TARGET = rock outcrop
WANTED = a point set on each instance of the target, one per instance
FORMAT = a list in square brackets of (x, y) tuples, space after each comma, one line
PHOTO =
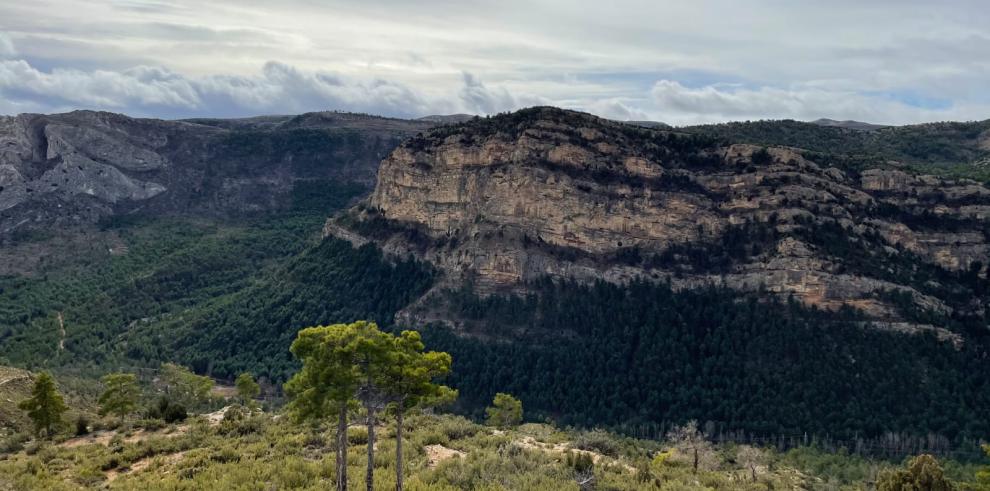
[(82, 166), (546, 192)]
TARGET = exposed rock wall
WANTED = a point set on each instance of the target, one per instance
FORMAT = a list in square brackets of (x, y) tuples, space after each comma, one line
[(569, 195)]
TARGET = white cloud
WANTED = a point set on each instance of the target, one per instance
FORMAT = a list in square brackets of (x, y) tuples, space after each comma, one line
[(6, 46), (140, 86), (686, 105), (883, 61), (277, 88), (616, 109), (480, 99)]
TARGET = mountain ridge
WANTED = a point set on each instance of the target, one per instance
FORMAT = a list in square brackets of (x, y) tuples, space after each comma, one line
[(80, 167), (549, 192)]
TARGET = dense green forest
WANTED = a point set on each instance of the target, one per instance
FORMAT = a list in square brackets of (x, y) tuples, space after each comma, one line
[(225, 299), (951, 149), (646, 355), (76, 311)]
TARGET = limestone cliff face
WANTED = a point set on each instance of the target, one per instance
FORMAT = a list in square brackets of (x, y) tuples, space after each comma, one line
[(82, 166), (550, 192)]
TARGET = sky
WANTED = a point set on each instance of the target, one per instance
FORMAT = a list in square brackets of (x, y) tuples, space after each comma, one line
[(880, 61)]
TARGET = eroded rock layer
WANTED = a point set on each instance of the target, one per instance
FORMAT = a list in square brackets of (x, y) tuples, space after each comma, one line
[(545, 192)]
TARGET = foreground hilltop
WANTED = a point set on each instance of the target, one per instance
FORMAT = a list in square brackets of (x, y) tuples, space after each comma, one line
[(545, 192)]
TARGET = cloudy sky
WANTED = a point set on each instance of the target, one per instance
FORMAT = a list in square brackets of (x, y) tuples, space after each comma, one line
[(884, 61)]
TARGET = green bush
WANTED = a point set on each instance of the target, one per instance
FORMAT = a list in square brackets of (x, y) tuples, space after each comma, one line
[(168, 411), (458, 427), (598, 441), (82, 426), (357, 435), (14, 442)]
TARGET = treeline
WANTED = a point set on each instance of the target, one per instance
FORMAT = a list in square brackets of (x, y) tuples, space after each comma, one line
[(935, 143), (608, 355)]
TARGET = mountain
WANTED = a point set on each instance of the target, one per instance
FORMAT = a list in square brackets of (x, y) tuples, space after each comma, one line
[(448, 118), (952, 149), (649, 124), (80, 167), (567, 195), (606, 274), (849, 124), (562, 240)]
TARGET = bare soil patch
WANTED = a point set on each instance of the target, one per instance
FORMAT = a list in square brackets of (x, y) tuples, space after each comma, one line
[(439, 453)]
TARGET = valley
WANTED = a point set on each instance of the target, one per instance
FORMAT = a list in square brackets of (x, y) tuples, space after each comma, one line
[(609, 275)]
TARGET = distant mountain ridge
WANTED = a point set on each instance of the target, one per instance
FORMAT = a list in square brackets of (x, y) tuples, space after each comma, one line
[(80, 167), (448, 118), (849, 124)]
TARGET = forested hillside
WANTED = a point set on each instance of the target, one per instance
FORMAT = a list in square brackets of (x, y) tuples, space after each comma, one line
[(762, 293), (948, 148)]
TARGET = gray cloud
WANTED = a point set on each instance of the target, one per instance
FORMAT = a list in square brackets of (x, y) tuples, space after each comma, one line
[(481, 99), (886, 61), (714, 103), (6, 46), (279, 88)]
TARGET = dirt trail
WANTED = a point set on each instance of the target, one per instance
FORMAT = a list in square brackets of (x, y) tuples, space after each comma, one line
[(14, 378), (61, 332)]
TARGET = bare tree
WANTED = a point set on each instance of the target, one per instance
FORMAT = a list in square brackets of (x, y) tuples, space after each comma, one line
[(751, 458), (689, 440)]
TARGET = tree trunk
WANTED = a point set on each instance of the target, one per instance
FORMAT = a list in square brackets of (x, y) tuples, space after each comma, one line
[(695, 460), (398, 448), (342, 449), (369, 478)]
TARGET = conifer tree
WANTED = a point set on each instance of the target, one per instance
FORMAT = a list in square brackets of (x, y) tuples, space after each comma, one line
[(409, 382), (121, 394), (375, 352), (247, 388), (328, 381), (45, 406), (185, 387), (505, 411)]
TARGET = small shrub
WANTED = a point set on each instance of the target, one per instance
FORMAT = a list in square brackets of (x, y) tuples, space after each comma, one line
[(225, 454), (922, 472), (581, 462), (168, 411), (357, 436), (150, 424), (82, 426), (434, 438), (111, 463), (457, 428), (116, 444), (598, 441), (14, 443), (33, 447), (241, 426)]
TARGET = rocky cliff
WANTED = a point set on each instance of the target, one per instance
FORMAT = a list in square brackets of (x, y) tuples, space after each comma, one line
[(544, 192), (82, 166)]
